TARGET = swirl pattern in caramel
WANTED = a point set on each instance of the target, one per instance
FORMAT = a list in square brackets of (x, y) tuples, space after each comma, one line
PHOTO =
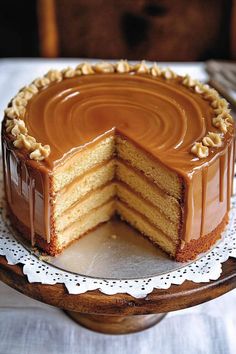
[(163, 117)]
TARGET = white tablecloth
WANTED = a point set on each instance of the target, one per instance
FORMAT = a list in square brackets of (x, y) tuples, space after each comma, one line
[(30, 327)]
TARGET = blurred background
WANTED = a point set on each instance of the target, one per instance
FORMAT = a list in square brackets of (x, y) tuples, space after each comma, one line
[(164, 30)]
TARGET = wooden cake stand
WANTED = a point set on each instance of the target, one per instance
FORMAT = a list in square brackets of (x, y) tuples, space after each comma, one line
[(121, 313)]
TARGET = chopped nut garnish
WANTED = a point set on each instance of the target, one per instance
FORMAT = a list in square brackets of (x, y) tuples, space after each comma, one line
[(41, 82), (19, 101), (31, 88), (10, 112), (68, 72), (15, 112), (26, 95), (54, 75), (210, 95), (40, 152), (19, 127), (169, 74), (198, 88), (155, 70), (188, 81), (25, 141), (104, 67), (220, 123), (212, 139), (28, 92), (229, 119), (141, 68), (220, 104), (200, 150), (86, 69), (122, 66), (222, 111), (215, 104)]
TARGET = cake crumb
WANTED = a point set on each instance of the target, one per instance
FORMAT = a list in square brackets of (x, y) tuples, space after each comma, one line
[(114, 237)]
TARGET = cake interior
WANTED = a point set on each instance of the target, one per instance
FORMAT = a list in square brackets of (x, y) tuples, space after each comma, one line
[(115, 176)]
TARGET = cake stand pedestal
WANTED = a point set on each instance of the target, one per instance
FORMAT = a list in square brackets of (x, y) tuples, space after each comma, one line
[(120, 313)]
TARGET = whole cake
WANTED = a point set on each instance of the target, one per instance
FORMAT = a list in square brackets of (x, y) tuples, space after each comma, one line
[(80, 145)]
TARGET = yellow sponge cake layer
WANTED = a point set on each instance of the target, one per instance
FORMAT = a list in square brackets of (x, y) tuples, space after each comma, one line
[(152, 213), (93, 179), (83, 225), (94, 154), (147, 229), (148, 190), (91, 200), (162, 177)]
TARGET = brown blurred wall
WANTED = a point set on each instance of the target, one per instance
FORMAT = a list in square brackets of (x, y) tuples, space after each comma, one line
[(133, 29), (151, 29)]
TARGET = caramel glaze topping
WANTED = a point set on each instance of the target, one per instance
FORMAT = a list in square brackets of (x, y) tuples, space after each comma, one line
[(162, 116)]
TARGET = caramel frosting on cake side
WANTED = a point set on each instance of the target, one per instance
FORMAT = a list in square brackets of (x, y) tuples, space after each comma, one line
[(174, 131)]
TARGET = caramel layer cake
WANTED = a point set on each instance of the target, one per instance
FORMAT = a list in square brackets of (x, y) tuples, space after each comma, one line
[(83, 144)]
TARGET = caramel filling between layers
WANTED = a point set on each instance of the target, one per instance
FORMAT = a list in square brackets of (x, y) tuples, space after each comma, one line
[(162, 119)]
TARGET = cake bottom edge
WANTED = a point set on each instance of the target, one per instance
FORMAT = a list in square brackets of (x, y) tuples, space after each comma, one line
[(203, 244), (189, 252)]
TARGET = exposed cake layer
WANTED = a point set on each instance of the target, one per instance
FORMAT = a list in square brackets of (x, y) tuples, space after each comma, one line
[(94, 178), (117, 194), (90, 190), (148, 190), (147, 209), (141, 224), (94, 165), (103, 150), (113, 190), (84, 224), (91, 200), (164, 178), (77, 165)]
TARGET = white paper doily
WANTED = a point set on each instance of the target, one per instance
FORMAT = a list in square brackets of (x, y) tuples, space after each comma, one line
[(207, 268)]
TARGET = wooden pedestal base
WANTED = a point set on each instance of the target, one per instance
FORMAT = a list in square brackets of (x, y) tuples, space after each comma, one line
[(120, 313), (116, 324)]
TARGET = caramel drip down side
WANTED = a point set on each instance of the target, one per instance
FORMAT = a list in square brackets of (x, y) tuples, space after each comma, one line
[(189, 211), (229, 176), (233, 172), (222, 173), (6, 170), (19, 174), (204, 198), (30, 183), (47, 213), (31, 189), (27, 192), (8, 174)]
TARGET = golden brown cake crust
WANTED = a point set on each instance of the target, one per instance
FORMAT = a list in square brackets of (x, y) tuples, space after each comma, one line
[(203, 244)]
